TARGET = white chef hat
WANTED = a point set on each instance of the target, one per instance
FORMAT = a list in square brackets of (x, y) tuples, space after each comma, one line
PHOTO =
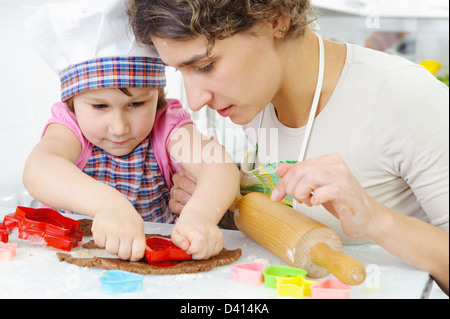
[(90, 45)]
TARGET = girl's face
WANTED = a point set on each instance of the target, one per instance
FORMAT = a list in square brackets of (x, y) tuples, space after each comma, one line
[(238, 79), (115, 122)]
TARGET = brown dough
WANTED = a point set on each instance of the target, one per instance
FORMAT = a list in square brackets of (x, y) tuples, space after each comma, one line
[(225, 257), (86, 225)]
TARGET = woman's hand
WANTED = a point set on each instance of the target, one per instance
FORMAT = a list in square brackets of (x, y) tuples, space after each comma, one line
[(183, 187), (328, 181)]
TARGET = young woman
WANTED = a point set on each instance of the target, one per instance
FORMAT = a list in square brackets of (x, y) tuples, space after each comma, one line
[(365, 134)]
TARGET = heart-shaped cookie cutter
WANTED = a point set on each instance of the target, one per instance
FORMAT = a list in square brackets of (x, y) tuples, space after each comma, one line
[(45, 226), (7, 251), (330, 289), (272, 272), (162, 252), (251, 273), (118, 281)]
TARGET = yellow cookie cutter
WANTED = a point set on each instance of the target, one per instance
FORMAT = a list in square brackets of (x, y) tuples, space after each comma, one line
[(297, 287)]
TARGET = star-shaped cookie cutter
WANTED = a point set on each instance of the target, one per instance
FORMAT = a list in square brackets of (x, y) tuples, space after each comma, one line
[(45, 226), (7, 251), (297, 287)]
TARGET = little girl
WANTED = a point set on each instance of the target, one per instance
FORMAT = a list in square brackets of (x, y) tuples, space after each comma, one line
[(107, 150)]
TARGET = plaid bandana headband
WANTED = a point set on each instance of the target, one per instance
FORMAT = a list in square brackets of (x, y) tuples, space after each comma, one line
[(112, 72)]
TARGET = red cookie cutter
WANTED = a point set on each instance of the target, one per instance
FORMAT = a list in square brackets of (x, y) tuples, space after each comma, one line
[(4, 234), (45, 226), (162, 252)]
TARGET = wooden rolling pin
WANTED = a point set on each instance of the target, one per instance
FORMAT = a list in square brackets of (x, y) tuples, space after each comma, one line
[(296, 239)]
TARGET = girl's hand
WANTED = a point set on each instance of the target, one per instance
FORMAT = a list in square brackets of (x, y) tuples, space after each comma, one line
[(120, 231), (328, 181), (184, 185), (197, 236)]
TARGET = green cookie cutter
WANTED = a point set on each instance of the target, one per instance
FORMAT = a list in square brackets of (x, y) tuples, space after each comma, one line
[(272, 272)]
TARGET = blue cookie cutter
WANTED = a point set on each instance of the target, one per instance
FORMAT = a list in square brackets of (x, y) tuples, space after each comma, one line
[(118, 281)]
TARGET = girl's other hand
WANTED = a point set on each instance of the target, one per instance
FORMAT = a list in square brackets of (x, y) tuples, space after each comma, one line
[(197, 236)]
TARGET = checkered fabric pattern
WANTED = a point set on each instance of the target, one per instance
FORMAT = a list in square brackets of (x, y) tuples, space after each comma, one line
[(261, 179), (112, 72), (137, 176)]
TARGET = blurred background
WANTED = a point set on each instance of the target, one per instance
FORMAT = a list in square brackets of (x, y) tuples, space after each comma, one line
[(415, 29)]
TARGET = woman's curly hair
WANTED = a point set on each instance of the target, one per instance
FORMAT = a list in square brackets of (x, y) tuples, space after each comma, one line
[(212, 19)]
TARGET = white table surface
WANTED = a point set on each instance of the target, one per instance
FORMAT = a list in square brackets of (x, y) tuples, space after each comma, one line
[(37, 273)]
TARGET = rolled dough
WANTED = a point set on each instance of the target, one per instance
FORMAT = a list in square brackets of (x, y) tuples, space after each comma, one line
[(225, 257)]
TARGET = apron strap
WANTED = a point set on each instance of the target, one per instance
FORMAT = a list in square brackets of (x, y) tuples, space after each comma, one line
[(312, 114)]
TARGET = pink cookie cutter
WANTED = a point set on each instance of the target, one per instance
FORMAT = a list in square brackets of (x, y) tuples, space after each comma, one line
[(7, 251), (251, 273), (330, 289)]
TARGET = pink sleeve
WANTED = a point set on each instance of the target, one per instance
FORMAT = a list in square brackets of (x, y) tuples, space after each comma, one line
[(169, 119), (60, 114)]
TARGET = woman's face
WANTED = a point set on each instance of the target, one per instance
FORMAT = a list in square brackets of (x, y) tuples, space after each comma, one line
[(238, 79)]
